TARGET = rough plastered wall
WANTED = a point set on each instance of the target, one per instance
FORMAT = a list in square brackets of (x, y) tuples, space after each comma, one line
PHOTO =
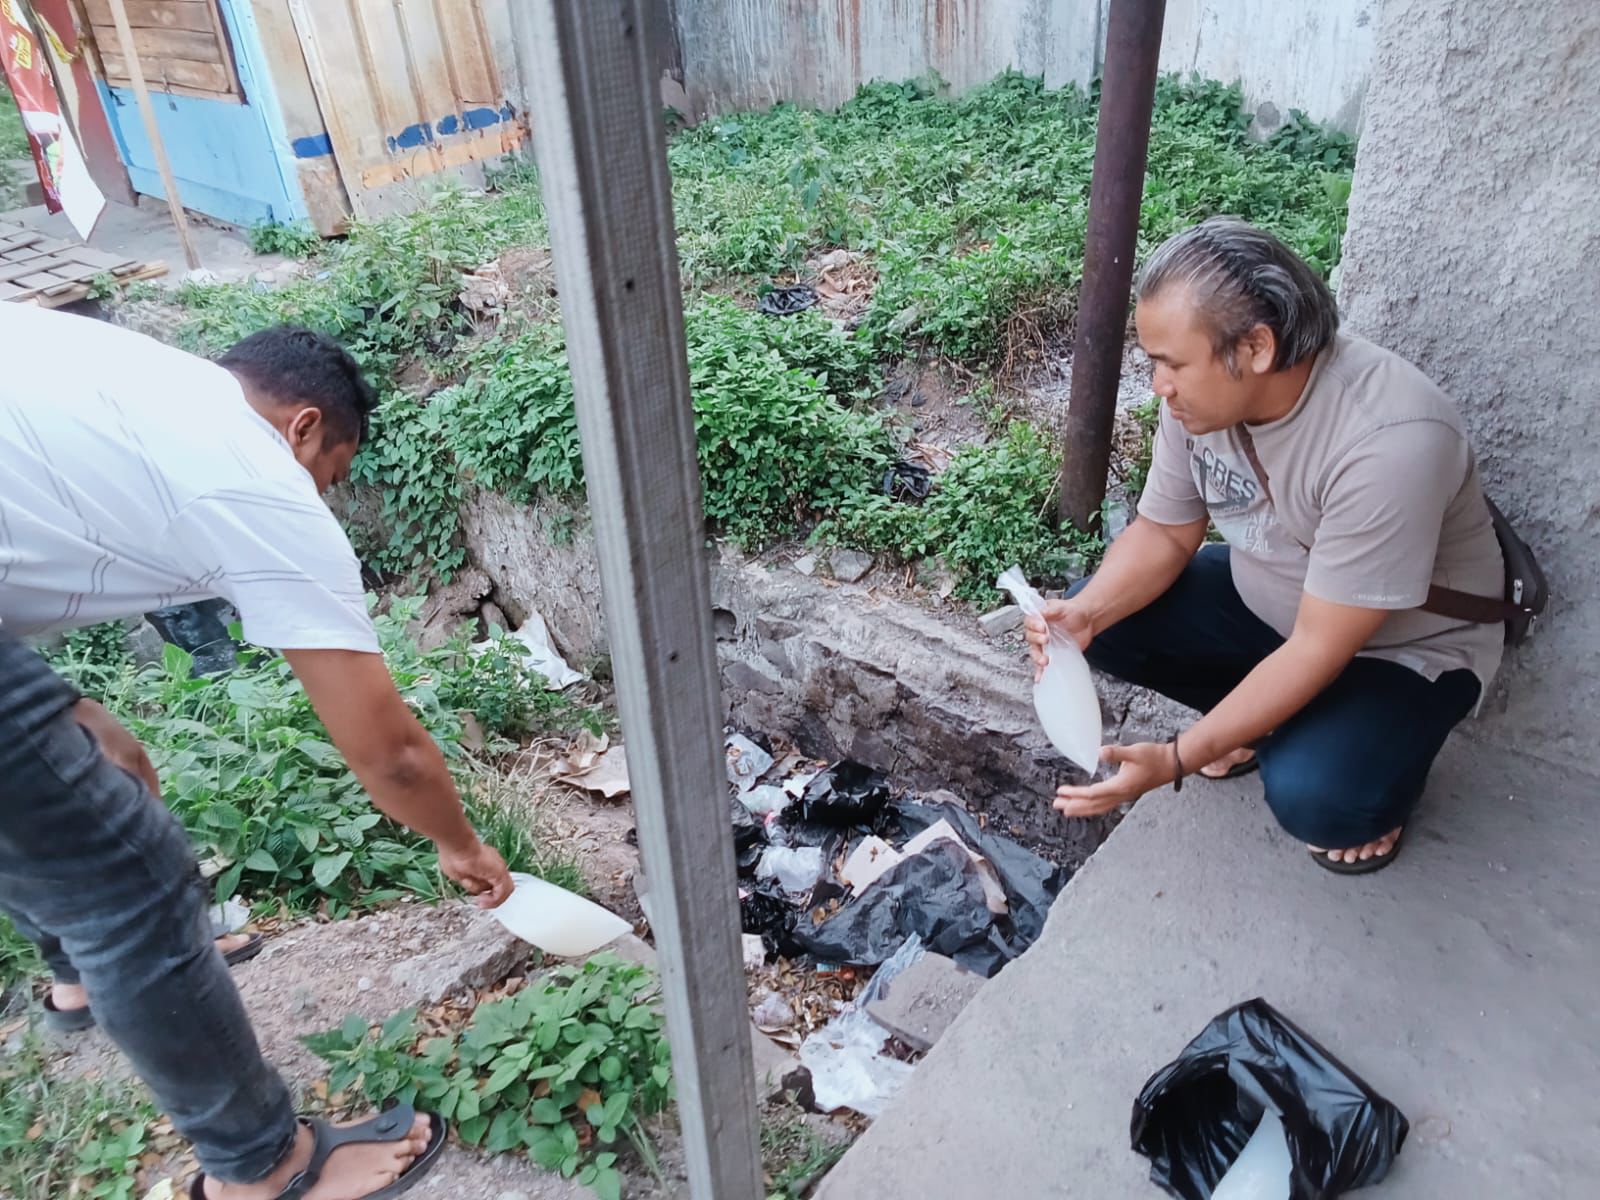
[(1474, 249), (737, 54)]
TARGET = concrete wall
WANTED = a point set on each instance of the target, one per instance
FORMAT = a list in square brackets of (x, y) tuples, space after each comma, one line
[(1473, 243), (1307, 54)]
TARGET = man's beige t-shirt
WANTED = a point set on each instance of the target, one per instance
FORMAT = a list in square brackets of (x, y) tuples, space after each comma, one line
[(1374, 495)]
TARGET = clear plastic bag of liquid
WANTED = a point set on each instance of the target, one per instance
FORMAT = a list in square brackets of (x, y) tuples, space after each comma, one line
[(1064, 697)]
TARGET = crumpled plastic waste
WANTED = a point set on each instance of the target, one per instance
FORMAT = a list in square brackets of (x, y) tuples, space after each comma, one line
[(847, 793), (1195, 1116), (848, 1068), (786, 301), (796, 870)]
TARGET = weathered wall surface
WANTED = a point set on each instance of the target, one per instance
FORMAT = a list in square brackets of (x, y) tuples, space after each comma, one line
[(735, 54), (1473, 243)]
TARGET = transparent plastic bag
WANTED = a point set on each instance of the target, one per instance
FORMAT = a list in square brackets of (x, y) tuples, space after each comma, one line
[(1064, 697)]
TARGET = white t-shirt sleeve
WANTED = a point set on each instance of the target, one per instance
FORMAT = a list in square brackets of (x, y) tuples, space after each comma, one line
[(277, 553)]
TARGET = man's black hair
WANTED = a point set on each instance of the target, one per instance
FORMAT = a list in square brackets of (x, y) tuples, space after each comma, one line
[(293, 365)]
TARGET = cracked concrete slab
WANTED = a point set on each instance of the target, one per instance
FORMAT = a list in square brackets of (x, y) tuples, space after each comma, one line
[(1460, 983)]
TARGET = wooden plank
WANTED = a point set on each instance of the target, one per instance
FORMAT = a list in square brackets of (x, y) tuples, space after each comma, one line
[(152, 130), (38, 281), (170, 74), (193, 15), (603, 166), (155, 44)]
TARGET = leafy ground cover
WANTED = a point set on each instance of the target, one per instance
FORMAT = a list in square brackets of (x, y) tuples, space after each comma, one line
[(969, 212)]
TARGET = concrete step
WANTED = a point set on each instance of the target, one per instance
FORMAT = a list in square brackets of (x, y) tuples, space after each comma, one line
[(1460, 983)]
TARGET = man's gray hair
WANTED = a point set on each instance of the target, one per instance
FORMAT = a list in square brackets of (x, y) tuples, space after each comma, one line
[(1239, 277)]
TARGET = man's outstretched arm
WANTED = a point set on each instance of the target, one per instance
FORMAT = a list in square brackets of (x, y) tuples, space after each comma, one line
[(397, 762)]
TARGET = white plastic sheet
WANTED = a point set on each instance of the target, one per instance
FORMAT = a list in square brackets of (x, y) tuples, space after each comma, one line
[(556, 920), (1261, 1172), (848, 1068)]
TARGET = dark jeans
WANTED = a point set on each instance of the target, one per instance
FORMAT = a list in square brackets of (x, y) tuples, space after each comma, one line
[(90, 859), (1341, 772)]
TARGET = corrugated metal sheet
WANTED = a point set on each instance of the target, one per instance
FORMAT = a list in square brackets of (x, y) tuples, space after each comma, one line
[(752, 53), (410, 90)]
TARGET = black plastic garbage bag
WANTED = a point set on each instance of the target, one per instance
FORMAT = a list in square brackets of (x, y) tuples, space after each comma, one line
[(786, 301), (908, 482), (201, 628), (846, 793), (749, 840), (1195, 1115), (935, 894), (764, 909), (1031, 883)]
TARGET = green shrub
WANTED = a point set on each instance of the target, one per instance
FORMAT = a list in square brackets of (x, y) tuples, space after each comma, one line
[(558, 1072)]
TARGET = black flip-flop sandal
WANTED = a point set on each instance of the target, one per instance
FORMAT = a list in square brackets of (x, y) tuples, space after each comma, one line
[(79, 1019), (1362, 866), (244, 953), (391, 1126), (1248, 766)]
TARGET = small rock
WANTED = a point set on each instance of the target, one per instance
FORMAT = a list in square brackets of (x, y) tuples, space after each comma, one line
[(303, 1000), (145, 644), (630, 947), (1001, 621), (924, 999), (851, 566), (494, 615), (806, 564), (1118, 517), (363, 984), (201, 276), (834, 260)]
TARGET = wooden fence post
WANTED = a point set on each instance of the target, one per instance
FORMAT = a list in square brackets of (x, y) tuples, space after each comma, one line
[(600, 140)]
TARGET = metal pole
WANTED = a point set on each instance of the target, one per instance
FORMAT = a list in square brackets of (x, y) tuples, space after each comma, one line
[(1127, 96), (141, 93), (601, 149)]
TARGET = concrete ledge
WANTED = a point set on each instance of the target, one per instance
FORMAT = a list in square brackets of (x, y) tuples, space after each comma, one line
[(1460, 983)]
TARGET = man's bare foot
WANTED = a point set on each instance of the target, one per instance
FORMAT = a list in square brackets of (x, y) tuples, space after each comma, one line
[(351, 1173), (1216, 770), (70, 997), (1375, 849)]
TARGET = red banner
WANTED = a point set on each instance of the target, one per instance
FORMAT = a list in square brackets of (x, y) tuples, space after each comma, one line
[(28, 73)]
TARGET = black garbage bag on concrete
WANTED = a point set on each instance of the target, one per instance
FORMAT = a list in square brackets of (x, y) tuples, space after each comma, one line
[(1195, 1115)]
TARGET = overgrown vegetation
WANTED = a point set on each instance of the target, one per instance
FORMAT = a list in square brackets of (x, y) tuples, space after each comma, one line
[(13, 149), (67, 1137), (794, 1155), (563, 1071), (971, 212), (249, 771)]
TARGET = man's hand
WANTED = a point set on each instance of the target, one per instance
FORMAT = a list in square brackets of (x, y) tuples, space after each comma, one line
[(116, 743), (480, 871), (1060, 616), (1145, 765)]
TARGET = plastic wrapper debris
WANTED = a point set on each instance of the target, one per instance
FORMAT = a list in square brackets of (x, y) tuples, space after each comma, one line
[(845, 1057), (1261, 1172), (747, 762), (230, 916), (1195, 1116), (765, 800), (538, 654), (795, 870)]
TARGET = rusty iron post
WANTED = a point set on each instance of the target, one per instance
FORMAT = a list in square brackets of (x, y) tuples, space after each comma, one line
[(1127, 97)]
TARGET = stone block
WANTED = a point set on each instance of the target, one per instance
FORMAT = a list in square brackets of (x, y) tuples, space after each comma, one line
[(924, 999), (850, 566), (484, 955), (1001, 621)]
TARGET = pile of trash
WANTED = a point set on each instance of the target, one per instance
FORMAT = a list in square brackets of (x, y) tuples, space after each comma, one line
[(839, 874), (834, 866)]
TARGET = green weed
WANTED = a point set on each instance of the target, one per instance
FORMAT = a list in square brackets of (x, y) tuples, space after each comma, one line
[(560, 1072), (67, 1137), (794, 1155), (296, 239)]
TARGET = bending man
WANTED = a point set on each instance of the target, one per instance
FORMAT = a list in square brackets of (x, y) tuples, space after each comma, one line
[(134, 476)]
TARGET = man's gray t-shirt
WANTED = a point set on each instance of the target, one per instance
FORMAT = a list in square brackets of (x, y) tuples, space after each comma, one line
[(1371, 495)]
